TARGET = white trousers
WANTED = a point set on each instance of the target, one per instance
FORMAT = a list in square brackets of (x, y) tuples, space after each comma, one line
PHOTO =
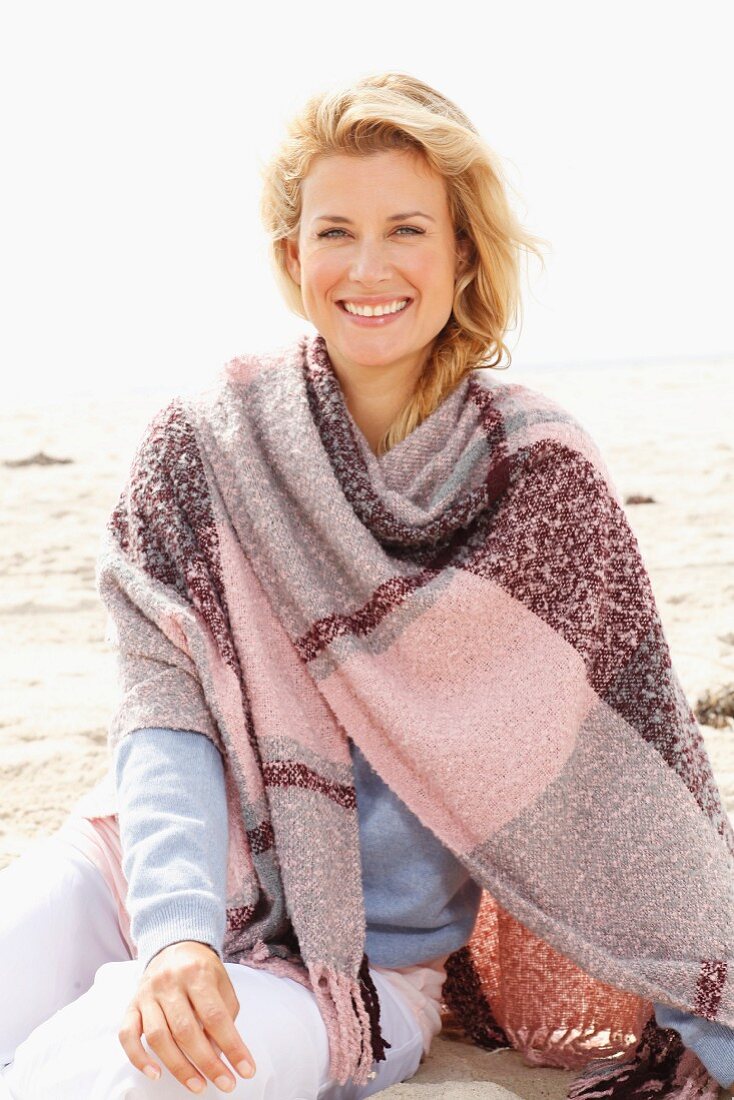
[(66, 978)]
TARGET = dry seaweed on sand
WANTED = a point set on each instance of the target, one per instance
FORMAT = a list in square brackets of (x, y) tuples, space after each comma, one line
[(716, 708), (40, 458)]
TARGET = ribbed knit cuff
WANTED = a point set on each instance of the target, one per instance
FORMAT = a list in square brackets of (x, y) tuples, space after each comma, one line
[(178, 919)]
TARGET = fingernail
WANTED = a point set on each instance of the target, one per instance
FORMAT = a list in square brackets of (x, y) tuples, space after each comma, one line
[(245, 1069), (194, 1084), (226, 1084), (152, 1071)]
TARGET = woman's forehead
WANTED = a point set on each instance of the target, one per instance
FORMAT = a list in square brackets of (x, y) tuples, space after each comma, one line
[(381, 179)]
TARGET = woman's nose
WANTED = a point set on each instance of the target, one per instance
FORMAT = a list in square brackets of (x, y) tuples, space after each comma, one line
[(369, 262)]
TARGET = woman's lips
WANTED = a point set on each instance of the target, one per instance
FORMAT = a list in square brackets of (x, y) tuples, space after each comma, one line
[(375, 322)]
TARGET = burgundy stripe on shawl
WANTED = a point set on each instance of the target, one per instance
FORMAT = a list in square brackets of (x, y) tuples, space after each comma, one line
[(287, 773), (164, 522), (710, 984)]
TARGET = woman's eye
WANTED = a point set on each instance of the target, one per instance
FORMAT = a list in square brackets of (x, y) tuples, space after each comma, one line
[(411, 229)]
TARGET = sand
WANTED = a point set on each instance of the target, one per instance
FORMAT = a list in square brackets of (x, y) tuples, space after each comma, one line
[(665, 431)]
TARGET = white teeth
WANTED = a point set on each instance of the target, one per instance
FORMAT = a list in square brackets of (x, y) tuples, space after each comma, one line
[(377, 311)]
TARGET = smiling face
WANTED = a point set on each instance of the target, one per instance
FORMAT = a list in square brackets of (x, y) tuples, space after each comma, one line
[(375, 229)]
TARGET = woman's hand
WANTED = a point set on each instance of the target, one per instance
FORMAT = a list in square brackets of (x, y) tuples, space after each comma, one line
[(185, 1005)]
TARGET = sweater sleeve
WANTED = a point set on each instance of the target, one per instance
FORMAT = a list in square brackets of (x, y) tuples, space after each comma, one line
[(711, 1042), (173, 834)]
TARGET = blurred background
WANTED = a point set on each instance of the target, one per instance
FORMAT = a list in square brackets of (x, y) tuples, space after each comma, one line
[(133, 135), (133, 265)]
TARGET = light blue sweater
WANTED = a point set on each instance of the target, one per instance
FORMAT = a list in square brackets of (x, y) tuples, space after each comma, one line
[(420, 902)]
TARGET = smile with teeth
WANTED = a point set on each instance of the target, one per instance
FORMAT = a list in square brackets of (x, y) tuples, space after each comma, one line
[(376, 311)]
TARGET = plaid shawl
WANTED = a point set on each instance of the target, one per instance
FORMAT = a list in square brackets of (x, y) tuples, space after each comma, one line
[(472, 609)]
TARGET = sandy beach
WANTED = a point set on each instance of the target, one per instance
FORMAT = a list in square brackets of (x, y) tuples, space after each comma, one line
[(665, 431)]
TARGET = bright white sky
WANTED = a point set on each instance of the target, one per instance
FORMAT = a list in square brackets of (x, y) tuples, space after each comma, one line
[(132, 136)]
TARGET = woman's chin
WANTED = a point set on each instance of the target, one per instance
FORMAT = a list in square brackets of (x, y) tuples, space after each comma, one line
[(376, 353)]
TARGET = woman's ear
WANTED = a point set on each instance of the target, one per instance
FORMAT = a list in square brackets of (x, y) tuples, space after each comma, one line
[(463, 254), (292, 260)]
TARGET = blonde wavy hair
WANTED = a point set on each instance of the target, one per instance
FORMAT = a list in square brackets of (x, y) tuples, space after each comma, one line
[(396, 111)]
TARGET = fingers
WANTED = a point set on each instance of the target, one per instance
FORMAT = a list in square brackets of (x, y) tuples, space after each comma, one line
[(179, 1043), (211, 1007), (189, 1034), (130, 1039), (176, 1037)]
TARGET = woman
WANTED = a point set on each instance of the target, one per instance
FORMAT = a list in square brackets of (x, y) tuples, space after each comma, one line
[(382, 631)]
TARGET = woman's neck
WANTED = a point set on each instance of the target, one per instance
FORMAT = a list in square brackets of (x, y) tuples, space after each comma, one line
[(375, 398)]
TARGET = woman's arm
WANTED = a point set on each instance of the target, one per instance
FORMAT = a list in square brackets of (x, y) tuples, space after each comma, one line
[(173, 832), (711, 1042)]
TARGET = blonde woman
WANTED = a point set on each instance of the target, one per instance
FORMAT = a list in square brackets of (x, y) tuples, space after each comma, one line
[(368, 600)]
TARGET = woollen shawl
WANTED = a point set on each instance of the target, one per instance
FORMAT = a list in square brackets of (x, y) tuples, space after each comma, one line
[(473, 611)]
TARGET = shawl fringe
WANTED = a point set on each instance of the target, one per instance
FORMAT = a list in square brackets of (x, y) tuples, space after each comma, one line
[(468, 1010), (615, 1044), (660, 1066), (351, 1010), (371, 1000)]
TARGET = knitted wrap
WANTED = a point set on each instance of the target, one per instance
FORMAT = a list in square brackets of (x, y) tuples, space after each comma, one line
[(472, 609)]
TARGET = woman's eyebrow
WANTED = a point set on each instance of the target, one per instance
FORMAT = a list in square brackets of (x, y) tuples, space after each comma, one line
[(392, 218)]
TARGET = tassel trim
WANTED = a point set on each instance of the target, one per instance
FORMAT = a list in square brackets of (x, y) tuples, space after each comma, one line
[(468, 1009), (660, 1068), (350, 1009), (371, 1002)]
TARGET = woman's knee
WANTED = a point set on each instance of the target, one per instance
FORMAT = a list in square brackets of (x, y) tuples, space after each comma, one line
[(278, 1020), (57, 926), (280, 1023), (77, 1052), (80, 1045)]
